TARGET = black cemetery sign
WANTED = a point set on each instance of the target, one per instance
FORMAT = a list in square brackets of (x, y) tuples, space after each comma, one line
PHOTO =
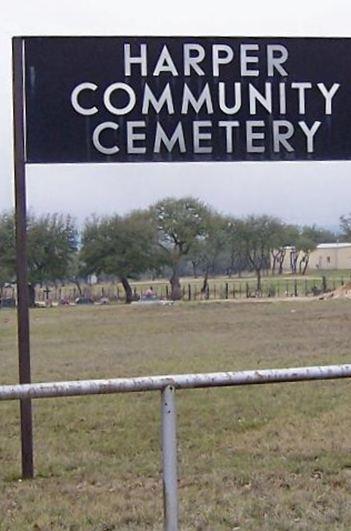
[(165, 99)]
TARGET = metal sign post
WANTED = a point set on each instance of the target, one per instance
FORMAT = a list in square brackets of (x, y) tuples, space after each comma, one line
[(21, 256)]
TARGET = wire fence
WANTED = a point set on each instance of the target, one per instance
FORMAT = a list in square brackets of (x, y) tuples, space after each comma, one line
[(216, 289)]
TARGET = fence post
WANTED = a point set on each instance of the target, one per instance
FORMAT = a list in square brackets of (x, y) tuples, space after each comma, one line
[(189, 292), (169, 458), (226, 290)]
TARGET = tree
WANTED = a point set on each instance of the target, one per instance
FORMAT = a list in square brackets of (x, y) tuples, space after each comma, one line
[(180, 223), (345, 226), (7, 248), (261, 234), (76, 271), (207, 250), (235, 245), (288, 238), (308, 237), (307, 241), (120, 246), (52, 242), (318, 234)]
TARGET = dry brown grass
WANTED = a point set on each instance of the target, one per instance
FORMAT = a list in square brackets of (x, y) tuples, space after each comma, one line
[(265, 457)]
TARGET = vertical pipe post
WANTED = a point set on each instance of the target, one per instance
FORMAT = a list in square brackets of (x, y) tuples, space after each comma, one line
[(21, 254), (169, 458)]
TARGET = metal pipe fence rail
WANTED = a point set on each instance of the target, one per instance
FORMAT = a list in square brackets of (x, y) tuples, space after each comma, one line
[(167, 385)]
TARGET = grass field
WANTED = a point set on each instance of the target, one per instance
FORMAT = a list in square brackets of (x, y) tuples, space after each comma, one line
[(275, 457)]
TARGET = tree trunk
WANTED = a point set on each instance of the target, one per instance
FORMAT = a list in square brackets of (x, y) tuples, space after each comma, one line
[(281, 263), (194, 264), (77, 283), (232, 264), (31, 290), (127, 289), (176, 290), (205, 288), (274, 262), (307, 259), (293, 261), (302, 263), (259, 283)]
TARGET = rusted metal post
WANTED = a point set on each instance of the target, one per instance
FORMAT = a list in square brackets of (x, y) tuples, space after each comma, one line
[(21, 254), (169, 458)]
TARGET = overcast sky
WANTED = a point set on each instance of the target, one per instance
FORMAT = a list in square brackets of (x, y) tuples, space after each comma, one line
[(297, 192)]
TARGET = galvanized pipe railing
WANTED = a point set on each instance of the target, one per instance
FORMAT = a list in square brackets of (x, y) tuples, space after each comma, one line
[(167, 385), (180, 381)]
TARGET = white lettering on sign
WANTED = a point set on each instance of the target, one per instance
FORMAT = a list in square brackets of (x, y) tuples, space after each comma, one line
[(191, 61), (113, 89), (133, 136), (177, 137), (222, 98), (277, 55), (256, 133), (75, 102), (190, 100), (301, 88), (246, 61), (130, 60), (165, 63), (253, 134), (282, 132), (229, 130), (264, 99), (243, 100), (328, 95), (199, 136), (164, 100), (113, 149), (222, 54), (310, 132)]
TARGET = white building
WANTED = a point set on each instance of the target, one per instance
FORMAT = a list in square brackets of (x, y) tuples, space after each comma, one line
[(331, 256)]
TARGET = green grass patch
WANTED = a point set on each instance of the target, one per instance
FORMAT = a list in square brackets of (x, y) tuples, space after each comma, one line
[(258, 457)]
